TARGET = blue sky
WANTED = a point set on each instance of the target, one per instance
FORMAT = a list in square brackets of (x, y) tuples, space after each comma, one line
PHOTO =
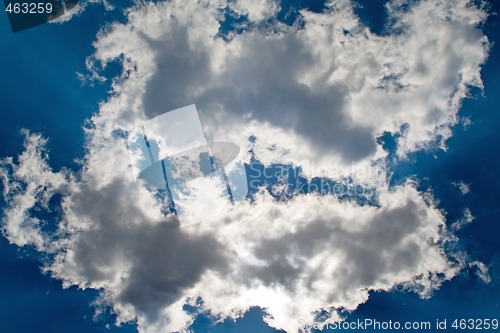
[(41, 92), (36, 62)]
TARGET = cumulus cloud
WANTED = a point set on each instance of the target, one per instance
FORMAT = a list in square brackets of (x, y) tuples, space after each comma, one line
[(348, 85), (318, 95), (323, 252), (256, 10), (29, 184)]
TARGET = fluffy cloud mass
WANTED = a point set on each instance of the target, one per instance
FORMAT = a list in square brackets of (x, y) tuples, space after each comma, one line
[(316, 94)]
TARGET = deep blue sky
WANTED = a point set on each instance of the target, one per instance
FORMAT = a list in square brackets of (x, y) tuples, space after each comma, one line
[(40, 91), (35, 63)]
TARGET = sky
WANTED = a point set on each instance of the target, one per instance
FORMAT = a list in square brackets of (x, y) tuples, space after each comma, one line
[(390, 105)]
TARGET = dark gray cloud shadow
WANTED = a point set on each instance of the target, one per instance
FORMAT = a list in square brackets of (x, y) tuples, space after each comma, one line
[(382, 248), (263, 82), (164, 259)]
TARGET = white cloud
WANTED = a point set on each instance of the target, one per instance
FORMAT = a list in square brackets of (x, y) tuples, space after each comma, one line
[(257, 10), (320, 94), (317, 97), (482, 271), (464, 187), (315, 252), (28, 183), (466, 219), (323, 252)]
